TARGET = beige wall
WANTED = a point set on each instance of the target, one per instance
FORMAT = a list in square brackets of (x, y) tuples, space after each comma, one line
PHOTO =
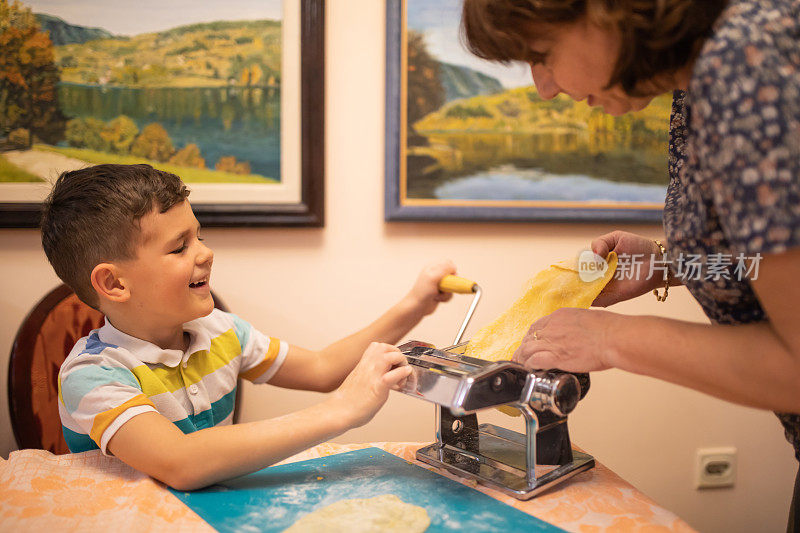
[(312, 286)]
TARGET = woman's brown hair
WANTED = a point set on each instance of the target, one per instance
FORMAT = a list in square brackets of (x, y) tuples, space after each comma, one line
[(659, 36)]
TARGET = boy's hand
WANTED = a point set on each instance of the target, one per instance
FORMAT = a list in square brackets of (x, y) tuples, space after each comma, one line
[(365, 390), (425, 294)]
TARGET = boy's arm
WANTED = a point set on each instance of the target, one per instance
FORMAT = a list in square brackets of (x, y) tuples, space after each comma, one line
[(152, 444), (324, 370)]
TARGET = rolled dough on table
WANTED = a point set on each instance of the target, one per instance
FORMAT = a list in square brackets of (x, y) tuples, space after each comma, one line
[(381, 513)]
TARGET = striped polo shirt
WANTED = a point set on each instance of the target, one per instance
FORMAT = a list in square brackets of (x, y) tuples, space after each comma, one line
[(109, 377)]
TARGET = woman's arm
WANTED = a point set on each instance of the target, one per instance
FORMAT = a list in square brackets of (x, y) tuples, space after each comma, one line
[(757, 365)]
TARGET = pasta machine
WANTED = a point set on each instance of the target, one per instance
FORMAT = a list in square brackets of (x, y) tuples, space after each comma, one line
[(519, 465)]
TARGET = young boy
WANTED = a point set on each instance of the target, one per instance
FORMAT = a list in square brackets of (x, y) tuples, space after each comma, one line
[(155, 385)]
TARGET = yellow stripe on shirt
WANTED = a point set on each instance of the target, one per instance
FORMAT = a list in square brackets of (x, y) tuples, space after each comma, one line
[(223, 350), (263, 366), (157, 380), (104, 419), (160, 379)]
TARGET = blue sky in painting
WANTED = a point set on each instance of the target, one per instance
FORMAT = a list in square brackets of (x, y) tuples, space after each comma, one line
[(439, 21), (132, 17)]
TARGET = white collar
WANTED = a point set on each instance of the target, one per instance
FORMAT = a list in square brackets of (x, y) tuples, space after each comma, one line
[(147, 352)]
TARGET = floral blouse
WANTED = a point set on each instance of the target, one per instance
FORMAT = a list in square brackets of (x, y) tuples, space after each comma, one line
[(734, 162)]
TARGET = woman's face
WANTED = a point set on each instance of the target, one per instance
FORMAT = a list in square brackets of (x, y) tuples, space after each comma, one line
[(577, 60)]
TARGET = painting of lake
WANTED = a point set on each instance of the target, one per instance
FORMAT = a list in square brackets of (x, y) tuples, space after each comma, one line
[(243, 122), (479, 131), (192, 88)]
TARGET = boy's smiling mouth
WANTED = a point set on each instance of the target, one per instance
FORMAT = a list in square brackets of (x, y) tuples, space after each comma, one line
[(199, 283)]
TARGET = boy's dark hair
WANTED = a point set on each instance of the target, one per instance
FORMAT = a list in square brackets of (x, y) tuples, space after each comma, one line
[(92, 216), (658, 36)]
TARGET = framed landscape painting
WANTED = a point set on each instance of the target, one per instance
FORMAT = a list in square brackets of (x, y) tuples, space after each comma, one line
[(227, 95), (468, 139)]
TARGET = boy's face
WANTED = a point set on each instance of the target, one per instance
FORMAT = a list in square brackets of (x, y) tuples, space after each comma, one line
[(169, 278)]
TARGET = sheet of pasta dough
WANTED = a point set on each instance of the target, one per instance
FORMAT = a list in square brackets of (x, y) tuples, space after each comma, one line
[(382, 513), (556, 287)]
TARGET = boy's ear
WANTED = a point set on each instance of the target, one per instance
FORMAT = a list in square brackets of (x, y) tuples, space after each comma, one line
[(107, 283)]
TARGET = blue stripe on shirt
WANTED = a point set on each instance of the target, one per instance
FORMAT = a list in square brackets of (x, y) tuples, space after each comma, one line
[(77, 384), (220, 410), (94, 345), (242, 330), (78, 442)]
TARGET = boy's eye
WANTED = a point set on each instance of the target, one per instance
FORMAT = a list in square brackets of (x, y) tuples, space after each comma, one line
[(178, 250)]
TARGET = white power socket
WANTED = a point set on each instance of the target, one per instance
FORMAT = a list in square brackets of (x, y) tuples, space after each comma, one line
[(715, 467)]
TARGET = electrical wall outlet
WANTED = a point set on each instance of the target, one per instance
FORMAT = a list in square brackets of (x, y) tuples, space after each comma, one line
[(715, 467)]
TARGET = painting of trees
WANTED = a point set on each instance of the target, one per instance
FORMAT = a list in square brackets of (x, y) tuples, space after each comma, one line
[(28, 77), (85, 133), (119, 135), (188, 156), (153, 143), (425, 90)]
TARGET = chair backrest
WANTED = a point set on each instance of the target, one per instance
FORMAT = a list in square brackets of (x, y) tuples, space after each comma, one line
[(43, 341)]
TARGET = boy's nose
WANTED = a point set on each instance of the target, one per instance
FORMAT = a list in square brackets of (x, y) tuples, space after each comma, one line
[(206, 255), (545, 84)]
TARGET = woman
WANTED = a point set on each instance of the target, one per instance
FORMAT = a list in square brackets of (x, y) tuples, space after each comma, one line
[(734, 192)]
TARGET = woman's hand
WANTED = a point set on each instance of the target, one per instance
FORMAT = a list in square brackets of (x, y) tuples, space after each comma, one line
[(631, 286), (569, 339)]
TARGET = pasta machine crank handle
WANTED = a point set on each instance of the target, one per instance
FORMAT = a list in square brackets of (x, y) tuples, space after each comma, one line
[(461, 285)]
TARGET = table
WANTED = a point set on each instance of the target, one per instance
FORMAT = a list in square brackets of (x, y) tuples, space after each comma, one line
[(89, 491)]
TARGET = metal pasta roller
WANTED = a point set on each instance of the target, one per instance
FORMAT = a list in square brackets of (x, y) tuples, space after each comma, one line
[(516, 464)]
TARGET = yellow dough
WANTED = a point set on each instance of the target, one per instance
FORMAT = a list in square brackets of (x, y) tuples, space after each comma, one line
[(382, 513), (558, 286)]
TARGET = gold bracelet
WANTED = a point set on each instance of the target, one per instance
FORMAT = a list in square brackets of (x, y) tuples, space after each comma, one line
[(659, 297)]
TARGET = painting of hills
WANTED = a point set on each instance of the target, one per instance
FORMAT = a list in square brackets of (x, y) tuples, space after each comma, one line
[(195, 91), (477, 130)]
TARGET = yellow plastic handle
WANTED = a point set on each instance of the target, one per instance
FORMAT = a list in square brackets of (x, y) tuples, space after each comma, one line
[(456, 284)]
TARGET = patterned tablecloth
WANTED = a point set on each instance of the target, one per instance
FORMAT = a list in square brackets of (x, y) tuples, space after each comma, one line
[(41, 492)]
